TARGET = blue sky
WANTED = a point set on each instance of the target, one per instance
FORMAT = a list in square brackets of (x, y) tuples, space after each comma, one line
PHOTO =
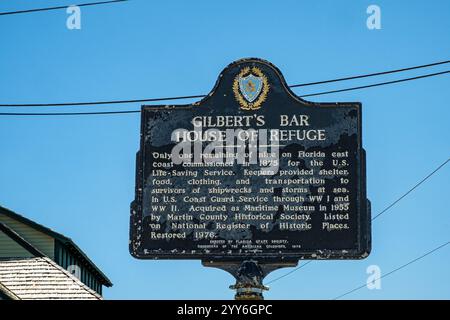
[(76, 174)]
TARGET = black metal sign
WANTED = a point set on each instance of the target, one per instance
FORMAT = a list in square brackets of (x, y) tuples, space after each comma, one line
[(251, 171)]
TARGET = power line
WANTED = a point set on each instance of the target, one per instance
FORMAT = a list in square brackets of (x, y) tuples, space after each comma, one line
[(65, 104), (383, 211), (288, 273), (123, 101), (412, 189), (59, 7), (377, 84), (370, 74), (395, 270), (67, 113), (173, 98)]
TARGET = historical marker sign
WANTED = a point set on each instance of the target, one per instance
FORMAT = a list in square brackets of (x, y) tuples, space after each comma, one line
[(251, 171)]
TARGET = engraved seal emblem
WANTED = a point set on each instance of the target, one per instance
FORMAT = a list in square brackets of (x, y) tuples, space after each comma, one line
[(250, 88)]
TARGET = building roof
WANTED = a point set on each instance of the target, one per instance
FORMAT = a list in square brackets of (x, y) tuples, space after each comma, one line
[(63, 239), (6, 293), (41, 278)]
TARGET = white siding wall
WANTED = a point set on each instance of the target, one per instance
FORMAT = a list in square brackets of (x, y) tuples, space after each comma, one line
[(11, 249), (39, 240)]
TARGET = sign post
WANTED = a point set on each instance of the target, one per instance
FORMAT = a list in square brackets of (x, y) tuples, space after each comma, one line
[(250, 179)]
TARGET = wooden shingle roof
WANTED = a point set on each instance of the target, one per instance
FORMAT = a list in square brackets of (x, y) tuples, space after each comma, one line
[(40, 278)]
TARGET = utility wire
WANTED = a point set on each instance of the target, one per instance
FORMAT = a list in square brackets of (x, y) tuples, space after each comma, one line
[(288, 273), (173, 98), (291, 86), (412, 189), (65, 104), (370, 74), (377, 84), (379, 214), (59, 7), (395, 270), (67, 113)]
